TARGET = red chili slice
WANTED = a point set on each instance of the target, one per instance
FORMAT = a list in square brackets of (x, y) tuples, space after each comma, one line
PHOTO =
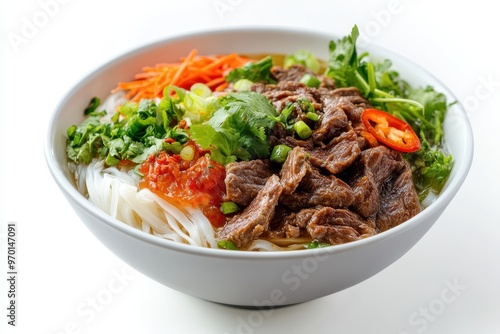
[(390, 130)]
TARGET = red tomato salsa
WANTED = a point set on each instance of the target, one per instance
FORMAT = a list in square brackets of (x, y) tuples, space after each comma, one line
[(196, 183)]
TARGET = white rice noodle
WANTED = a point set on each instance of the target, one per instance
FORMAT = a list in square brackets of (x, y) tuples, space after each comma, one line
[(204, 226), (116, 193), (176, 220), (265, 245), (431, 197), (146, 209)]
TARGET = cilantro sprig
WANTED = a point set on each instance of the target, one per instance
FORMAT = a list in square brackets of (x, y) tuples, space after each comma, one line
[(259, 71), (135, 131), (421, 107), (238, 129)]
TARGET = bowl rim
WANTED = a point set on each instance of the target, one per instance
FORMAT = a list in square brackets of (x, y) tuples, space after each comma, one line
[(70, 191)]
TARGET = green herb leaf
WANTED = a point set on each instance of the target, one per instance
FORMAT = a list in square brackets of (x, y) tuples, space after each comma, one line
[(223, 143), (423, 108), (237, 130), (255, 72), (136, 131), (343, 60), (431, 167)]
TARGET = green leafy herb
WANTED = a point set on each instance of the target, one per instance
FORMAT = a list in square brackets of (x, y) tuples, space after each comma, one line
[(431, 168), (421, 107), (85, 141), (223, 143), (237, 130), (343, 60), (255, 72), (141, 131)]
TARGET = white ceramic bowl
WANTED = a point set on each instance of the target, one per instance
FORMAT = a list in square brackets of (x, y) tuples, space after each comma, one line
[(248, 278)]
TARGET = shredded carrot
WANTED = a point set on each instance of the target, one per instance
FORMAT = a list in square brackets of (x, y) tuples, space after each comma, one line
[(215, 82), (221, 87), (191, 69), (183, 66)]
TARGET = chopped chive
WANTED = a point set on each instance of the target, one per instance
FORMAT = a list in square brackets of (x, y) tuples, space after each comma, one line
[(312, 116), (111, 160), (316, 244), (310, 81), (187, 153), (229, 208), (280, 153), (302, 129), (94, 103), (242, 85), (227, 244)]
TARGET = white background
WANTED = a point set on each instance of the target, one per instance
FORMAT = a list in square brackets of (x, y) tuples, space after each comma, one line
[(70, 283)]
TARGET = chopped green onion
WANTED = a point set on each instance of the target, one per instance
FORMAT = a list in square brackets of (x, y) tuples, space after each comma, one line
[(229, 207), (172, 91), (111, 160), (71, 131), (201, 90), (312, 116), (187, 153), (303, 57), (242, 85), (316, 244), (302, 129), (94, 103), (194, 102), (372, 82), (279, 153), (227, 244), (399, 100), (116, 117), (310, 80)]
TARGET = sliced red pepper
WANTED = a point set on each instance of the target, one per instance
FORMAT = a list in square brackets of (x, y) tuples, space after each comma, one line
[(390, 130)]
